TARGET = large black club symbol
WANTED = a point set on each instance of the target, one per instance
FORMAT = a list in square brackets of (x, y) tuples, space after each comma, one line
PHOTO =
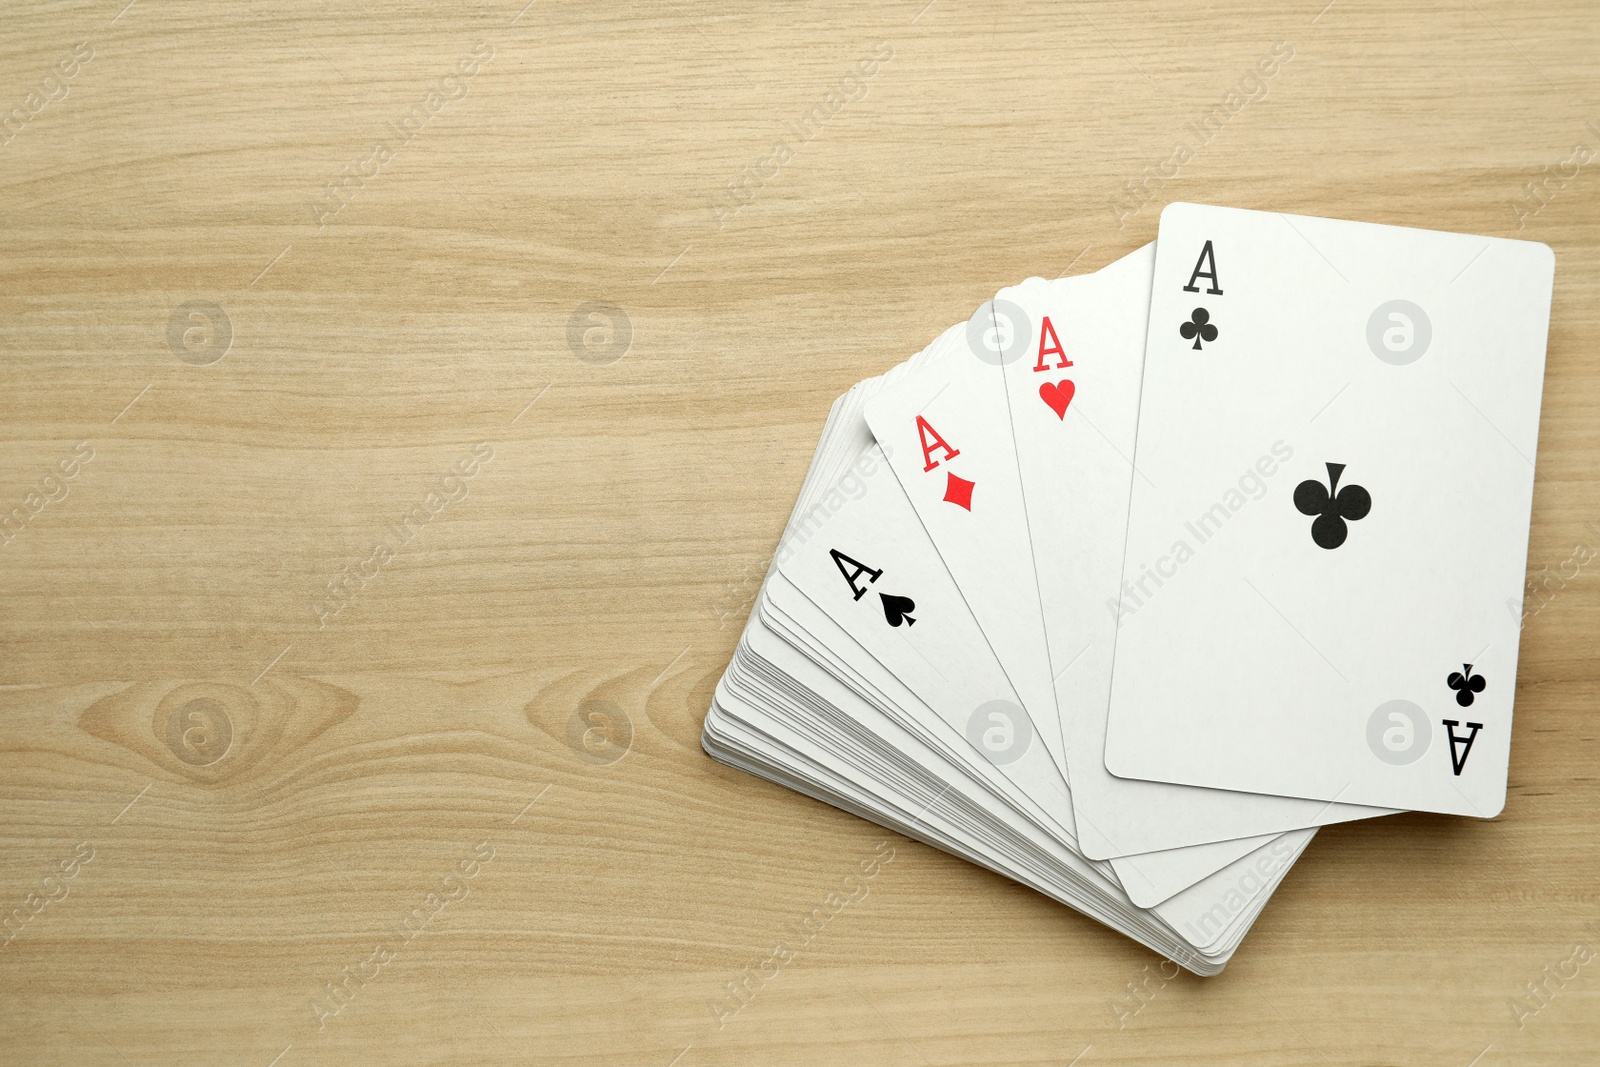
[(1332, 506)]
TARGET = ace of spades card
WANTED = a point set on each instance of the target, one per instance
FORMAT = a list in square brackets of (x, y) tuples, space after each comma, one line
[(873, 570), (1326, 552)]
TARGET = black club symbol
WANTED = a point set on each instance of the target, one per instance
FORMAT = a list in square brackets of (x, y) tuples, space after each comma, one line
[(1466, 684), (1332, 506), (1198, 328)]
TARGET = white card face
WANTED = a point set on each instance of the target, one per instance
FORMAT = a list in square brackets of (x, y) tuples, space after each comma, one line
[(873, 570), (1075, 460), (947, 433), (807, 705), (1328, 542)]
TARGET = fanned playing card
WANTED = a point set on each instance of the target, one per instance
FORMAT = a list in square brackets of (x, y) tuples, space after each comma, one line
[(1072, 370), (915, 766), (1326, 551), (947, 430), (1124, 586)]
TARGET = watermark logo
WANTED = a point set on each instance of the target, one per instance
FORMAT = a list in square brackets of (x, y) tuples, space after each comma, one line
[(1198, 131), (199, 332), (754, 178), (600, 732), (738, 597), (1553, 179), (52, 88), (341, 590), (51, 889), (798, 936), (199, 732), (998, 332), (1398, 732), (1138, 590), (599, 333), (1152, 980), (52, 488), (1398, 332), (339, 191), (1551, 981), (852, 486), (1000, 730), (1257, 876), (340, 991), (1543, 587)]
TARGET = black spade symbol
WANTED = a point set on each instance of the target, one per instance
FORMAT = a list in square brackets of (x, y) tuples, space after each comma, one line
[(898, 608)]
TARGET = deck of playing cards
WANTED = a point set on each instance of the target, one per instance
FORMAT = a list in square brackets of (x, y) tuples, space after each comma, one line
[(1129, 583)]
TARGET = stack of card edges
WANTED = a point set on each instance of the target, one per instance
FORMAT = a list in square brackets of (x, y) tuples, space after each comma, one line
[(1129, 583)]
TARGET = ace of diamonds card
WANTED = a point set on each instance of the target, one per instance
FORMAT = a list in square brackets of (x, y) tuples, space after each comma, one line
[(1326, 552)]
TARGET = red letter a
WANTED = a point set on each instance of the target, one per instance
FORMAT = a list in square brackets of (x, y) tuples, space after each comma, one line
[(1048, 331), (931, 440)]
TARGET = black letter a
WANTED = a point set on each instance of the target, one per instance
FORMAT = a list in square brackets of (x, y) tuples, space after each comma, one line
[(840, 559), (1458, 758), (1207, 259)]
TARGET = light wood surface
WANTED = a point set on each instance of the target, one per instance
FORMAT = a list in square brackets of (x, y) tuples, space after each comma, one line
[(252, 790)]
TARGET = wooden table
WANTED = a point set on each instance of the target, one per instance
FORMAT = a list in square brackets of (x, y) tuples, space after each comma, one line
[(400, 406)]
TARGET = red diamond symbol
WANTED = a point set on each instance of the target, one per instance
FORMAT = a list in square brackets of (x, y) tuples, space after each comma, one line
[(958, 490)]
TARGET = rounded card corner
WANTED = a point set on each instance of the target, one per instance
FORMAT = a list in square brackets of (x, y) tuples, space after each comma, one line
[(1499, 806), (1547, 255), (1184, 204), (1111, 758)]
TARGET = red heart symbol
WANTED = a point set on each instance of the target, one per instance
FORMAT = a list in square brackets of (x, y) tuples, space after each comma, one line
[(1058, 395)]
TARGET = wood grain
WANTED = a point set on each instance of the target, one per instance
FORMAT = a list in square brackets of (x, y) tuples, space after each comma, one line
[(285, 674)]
